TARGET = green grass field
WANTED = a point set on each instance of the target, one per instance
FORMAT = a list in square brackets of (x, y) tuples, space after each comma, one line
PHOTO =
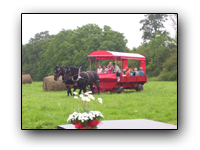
[(47, 110)]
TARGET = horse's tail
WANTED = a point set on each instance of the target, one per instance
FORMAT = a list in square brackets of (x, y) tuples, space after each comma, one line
[(99, 87), (97, 80)]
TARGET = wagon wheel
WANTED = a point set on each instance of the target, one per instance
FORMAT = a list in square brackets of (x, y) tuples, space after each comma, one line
[(120, 89), (139, 87)]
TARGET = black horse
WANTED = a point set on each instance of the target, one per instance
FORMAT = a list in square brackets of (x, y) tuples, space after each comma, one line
[(82, 79), (59, 71)]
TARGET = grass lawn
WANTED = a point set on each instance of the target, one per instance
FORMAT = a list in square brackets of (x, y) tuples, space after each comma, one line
[(47, 110)]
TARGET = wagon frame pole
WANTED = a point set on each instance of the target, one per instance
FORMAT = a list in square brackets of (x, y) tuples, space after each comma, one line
[(90, 63), (96, 63)]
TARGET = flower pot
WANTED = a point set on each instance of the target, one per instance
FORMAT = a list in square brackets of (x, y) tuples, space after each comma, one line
[(91, 125)]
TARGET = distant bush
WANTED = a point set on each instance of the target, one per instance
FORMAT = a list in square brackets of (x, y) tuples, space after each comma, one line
[(168, 76), (152, 78)]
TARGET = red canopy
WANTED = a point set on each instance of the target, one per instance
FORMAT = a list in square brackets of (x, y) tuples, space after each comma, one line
[(111, 55)]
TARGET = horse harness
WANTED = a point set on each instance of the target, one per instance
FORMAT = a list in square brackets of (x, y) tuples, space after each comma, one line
[(58, 73), (79, 77), (88, 80)]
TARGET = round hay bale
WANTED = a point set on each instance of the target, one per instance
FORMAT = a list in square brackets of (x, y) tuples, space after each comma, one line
[(49, 84), (26, 79)]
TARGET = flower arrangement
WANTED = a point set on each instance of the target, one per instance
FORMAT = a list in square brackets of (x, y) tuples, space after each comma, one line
[(86, 119)]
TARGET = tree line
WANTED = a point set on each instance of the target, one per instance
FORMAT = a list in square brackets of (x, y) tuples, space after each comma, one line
[(72, 47)]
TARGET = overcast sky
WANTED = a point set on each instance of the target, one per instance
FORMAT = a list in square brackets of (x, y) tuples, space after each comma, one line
[(54, 23)]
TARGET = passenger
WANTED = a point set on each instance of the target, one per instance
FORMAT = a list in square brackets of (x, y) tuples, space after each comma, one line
[(99, 70), (127, 73), (141, 73), (111, 66), (136, 72), (131, 72), (108, 69), (116, 70), (124, 70), (105, 69)]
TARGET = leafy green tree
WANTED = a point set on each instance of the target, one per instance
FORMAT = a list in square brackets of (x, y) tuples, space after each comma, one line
[(152, 24), (113, 41), (30, 54), (169, 71), (68, 48), (173, 18), (159, 52)]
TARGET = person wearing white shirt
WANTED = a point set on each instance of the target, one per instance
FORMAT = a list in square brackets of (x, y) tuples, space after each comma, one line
[(99, 70)]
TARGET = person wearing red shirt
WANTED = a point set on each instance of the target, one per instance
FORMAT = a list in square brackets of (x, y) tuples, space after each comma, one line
[(127, 73)]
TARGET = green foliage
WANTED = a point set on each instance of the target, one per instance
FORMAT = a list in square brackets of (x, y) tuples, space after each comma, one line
[(160, 52), (158, 47), (171, 62), (152, 24), (71, 48), (68, 48), (168, 76), (169, 72)]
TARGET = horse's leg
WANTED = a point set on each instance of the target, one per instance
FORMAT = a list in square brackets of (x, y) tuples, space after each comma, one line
[(91, 87), (80, 91), (75, 87), (70, 91), (67, 90), (97, 85), (84, 88)]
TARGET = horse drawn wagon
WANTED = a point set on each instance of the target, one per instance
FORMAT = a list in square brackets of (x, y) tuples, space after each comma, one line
[(108, 82), (105, 81)]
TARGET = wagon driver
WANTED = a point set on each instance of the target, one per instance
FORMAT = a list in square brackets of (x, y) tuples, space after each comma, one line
[(116, 70)]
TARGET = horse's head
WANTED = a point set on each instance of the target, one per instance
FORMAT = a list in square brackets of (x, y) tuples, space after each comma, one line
[(70, 72), (57, 72)]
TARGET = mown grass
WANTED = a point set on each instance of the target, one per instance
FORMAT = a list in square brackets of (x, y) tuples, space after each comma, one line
[(47, 110)]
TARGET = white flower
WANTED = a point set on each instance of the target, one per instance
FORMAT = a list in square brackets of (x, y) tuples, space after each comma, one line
[(100, 100), (76, 97), (86, 118), (75, 93), (91, 97), (87, 99), (75, 113), (70, 117), (83, 98), (91, 115), (89, 92), (81, 95), (86, 93), (80, 117), (84, 114)]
